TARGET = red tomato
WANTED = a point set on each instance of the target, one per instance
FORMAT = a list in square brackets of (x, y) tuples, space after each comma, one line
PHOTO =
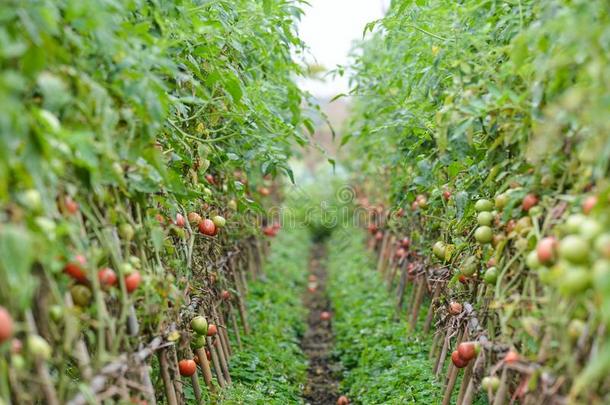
[(210, 179), (446, 195), (372, 228), (414, 205), (529, 201), (207, 227), (546, 250), (379, 235), (225, 295), (342, 400), (405, 243), (455, 308), (194, 218), (132, 281), (463, 279), (401, 252), (6, 325), (180, 221), (264, 191), (467, 350), (71, 205), (212, 330), (75, 269), (457, 360), (325, 316), (511, 357), (107, 277), (589, 204), (187, 367)]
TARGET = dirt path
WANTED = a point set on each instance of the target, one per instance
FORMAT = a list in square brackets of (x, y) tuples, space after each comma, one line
[(322, 384)]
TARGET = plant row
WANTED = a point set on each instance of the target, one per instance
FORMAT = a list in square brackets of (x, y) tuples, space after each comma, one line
[(138, 146), (483, 169)]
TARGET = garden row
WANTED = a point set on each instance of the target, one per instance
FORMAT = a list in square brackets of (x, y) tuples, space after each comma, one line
[(138, 143), (482, 152)]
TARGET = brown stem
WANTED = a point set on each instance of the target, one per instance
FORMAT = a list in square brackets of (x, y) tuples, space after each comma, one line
[(430, 315), (450, 384)]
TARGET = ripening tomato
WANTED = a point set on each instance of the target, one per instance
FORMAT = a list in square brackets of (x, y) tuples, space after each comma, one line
[(455, 308), (439, 249), (107, 277), (225, 295), (210, 179), (132, 281), (6, 325), (212, 330), (194, 218), (529, 201), (187, 367), (264, 191), (180, 221), (372, 228), (546, 250), (379, 236), (588, 204), (342, 400), (325, 316), (71, 205), (511, 357), (405, 243), (207, 227), (446, 195)]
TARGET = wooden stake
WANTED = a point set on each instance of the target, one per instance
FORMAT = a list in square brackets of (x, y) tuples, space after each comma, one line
[(196, 387), (216, 362), (421, 289), (205, 368), (431, 308), (503, 390), (170, 392), (450, 384)]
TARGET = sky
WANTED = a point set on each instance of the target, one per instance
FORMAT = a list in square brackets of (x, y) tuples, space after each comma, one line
[(328, 28)]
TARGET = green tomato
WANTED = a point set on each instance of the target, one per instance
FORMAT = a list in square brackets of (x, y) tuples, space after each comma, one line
[(469, 267), (81, 295), (491, 382), (601, 275), (491, 275), (532, 260), (590, 229), (483, 234), (439, 250), (198, 341), (501, 200), (38, 347), (56, 313), (575, 280), (483, 205), (602, 245), (219, 221), (485, 218), (574, 249), (199, 325), (573, 223), (126, 231), (576, 327)]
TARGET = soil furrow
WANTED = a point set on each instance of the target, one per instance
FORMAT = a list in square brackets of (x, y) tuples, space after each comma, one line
[(322, 383)]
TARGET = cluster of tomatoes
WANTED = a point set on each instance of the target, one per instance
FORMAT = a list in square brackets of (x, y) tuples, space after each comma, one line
[(201, 329)]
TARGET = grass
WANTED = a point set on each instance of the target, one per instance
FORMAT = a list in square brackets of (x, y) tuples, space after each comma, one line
[(383, 363), (271, 369)]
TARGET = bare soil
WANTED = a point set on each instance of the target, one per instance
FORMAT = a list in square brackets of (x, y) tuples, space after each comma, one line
[(317, 343)]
